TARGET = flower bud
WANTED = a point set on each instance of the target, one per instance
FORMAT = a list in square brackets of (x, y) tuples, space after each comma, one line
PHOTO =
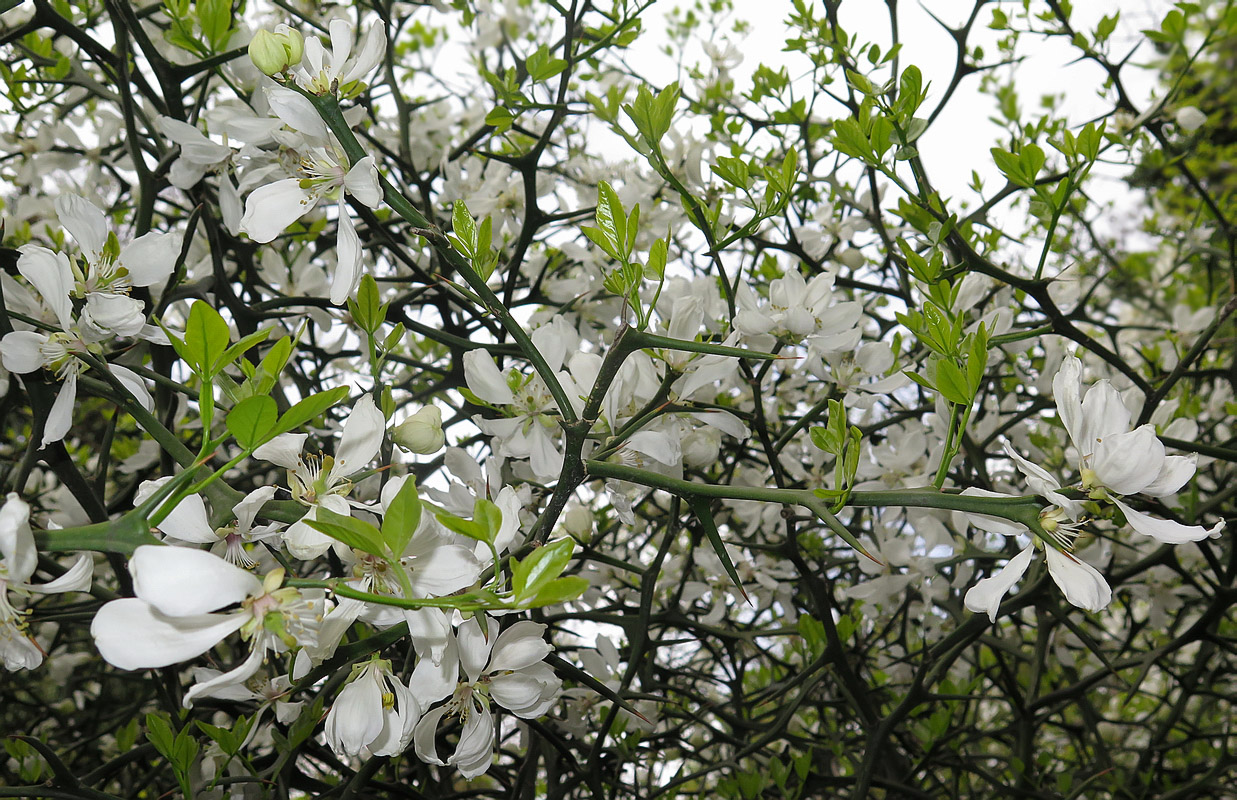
[(578, 521), (278, 51), (421, 433), (1189, 118)]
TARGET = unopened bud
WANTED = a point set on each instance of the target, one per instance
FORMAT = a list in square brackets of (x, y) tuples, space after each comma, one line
[(421, 433), (1190, 118), (578, 521), (278, 51)]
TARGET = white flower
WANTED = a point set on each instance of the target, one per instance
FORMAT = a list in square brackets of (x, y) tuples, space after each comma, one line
[(171, 619), (507, 669), (1081, 583), (323, 481), (321, 72), (1115, 460), (18, 558), (271, 208), (373, 715)]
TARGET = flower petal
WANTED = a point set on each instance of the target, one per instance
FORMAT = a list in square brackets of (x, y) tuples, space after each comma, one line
[(424, 736), (1128, 462), (1081, 583), (284, 450), (986, 595), (347, 258), (271, 208), (362, 182), (483, 378), (1103, 415), (84, 222), (296, 112), (1165, 530), (238, 675), (519, 646), (150, 258), (132, 634), (1175, 472), (76, 579), (361, 437), (17, 548), (20, 351), (51, 274), (181, 581), (987, 522), (60, 418), (474, 647)]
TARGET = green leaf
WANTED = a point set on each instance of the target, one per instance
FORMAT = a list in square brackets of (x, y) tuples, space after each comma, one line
[(464, 229), (559, 590), (309, 408), (500, 118), (542, 566), (403, 516), (602, 240), (700, 507), (253, 420), (489, 516), (464, 527), (612, 219), (272, 364), (951, 383), (206, 339), (367, 310), (244, 345), (656, 267), (355, 533)]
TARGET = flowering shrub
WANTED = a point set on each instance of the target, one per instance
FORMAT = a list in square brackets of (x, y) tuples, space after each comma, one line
[(429, 400)]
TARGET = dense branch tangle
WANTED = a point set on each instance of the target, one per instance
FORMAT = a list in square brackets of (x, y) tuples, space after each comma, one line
[(710, 399)]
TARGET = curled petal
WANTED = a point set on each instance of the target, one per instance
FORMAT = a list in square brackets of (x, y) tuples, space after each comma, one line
[(135, 385), (84, 222), (296, 112), (17, 540), (356, 718), (475, 750), (241, 673), (1067, 391), (60, 418), (347, 258), (362, 182), (1164, 530), (1080, 582), (425, 734), (986, 595), (76, 579), (474, 647), (987, 522)]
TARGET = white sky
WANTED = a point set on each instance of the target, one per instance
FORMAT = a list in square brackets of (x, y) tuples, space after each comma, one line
[(964, 128)]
